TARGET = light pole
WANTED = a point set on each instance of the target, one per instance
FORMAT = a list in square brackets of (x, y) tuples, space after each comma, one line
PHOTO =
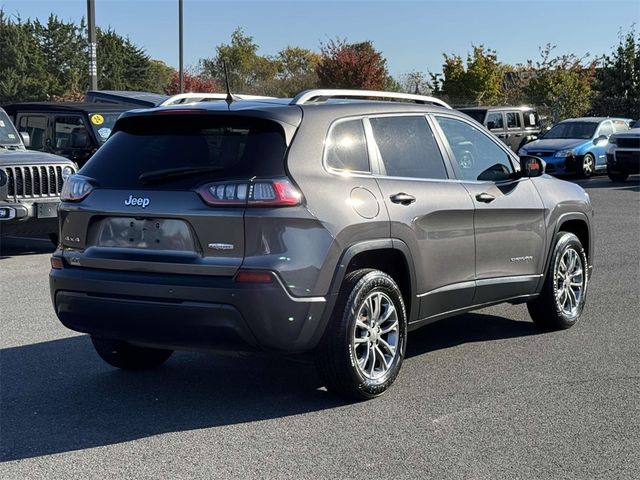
[(92, 54), (180, 33)]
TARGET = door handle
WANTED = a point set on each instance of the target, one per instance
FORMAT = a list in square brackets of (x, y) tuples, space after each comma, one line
[(517, 134), (485, 197), (403, 198)]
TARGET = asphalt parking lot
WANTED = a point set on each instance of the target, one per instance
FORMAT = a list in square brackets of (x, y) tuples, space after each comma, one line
[(482, 396)]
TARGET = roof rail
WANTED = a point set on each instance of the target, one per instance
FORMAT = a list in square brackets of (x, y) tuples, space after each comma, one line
[(310, 95), (195, 97)]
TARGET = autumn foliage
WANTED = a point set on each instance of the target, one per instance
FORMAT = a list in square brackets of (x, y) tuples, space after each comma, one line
[(356, 65), (192, 83)]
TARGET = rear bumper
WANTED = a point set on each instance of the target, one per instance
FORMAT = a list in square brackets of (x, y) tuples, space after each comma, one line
[(185, 311)]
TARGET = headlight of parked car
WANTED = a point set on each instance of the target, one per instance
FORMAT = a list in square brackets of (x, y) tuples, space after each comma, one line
[(565, 153), (613, 139), (67, 172)]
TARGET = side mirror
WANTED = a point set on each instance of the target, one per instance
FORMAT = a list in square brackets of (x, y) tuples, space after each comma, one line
[(26, 139), (491, 125), (600, 140), (80, 139), (531, 166)]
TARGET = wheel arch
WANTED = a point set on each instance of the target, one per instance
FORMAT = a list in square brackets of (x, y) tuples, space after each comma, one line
[(391, 256), (578, 224)]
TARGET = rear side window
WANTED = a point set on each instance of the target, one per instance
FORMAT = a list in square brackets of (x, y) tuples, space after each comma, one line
[(495, 122), (513, 120), (408, 148), (69, 132), (347, 148), (219, 147), (531, 119)]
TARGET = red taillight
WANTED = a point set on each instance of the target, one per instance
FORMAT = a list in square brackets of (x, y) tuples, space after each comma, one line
[(248, 276), (259, 193)]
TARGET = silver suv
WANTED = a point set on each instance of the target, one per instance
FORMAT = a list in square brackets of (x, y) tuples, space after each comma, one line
[(330, 223)]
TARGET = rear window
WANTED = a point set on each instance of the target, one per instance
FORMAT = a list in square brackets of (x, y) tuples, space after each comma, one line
[(226, 147)]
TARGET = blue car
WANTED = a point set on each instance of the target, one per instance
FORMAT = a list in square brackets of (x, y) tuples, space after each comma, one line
[(576, 146)]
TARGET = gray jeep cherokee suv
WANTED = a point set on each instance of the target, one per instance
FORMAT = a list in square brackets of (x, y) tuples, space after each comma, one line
[(329, 223)]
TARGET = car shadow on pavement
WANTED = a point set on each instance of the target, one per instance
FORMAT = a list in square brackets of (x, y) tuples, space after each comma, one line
[(17, 246), (58, 396), (469, 328)]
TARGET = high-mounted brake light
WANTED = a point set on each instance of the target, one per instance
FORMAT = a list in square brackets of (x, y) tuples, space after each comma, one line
[(259, 193), (179, 111), (75, 188)]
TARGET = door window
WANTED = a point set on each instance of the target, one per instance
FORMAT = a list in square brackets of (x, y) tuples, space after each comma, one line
[(408, 147), (495, 122), (70, 133), (36, 127), (513, 120), (478, 157), (606, 129), (347, 147), (531, 119)]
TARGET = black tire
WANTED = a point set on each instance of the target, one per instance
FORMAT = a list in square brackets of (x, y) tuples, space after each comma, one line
[(617, 176), (120, 354), (548, 310), (587, 166), (338, 357)]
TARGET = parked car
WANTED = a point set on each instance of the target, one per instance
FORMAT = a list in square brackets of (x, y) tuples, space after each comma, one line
[(30, 185), (315, 224), (623, 154), (576, 146), (72, 130), (147, 99), (515, 126)]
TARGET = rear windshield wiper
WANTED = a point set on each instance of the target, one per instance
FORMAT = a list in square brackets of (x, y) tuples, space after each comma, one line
[(169, 173)]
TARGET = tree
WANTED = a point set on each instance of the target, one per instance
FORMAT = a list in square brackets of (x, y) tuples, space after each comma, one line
[(247, 70), (64, 45), (562, 84), (296, 71), (414, 82), (23, 74), (192, 83), (357, 65), (477, 82), (619, 79), (121, 64), (159, 76)]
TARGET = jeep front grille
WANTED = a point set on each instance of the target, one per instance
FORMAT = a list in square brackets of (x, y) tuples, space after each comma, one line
[(34, 181), (628, 142)]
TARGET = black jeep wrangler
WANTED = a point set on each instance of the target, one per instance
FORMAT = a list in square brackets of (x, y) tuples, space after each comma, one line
[(30, 185)]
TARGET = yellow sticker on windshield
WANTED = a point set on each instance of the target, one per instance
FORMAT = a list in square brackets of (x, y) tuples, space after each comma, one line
[(97, 119)]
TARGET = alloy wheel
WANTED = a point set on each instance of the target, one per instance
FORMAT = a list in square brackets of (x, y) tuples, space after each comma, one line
[(570, 278), (376, 335)]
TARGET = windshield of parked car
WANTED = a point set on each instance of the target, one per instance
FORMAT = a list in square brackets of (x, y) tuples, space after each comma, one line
[(577, 130), (102, 123), (8, 133)]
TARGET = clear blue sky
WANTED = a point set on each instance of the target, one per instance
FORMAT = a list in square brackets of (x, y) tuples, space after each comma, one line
[(411, 35)]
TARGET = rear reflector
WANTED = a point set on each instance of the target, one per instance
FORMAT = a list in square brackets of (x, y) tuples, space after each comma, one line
[(57, 263), (248, 276)]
